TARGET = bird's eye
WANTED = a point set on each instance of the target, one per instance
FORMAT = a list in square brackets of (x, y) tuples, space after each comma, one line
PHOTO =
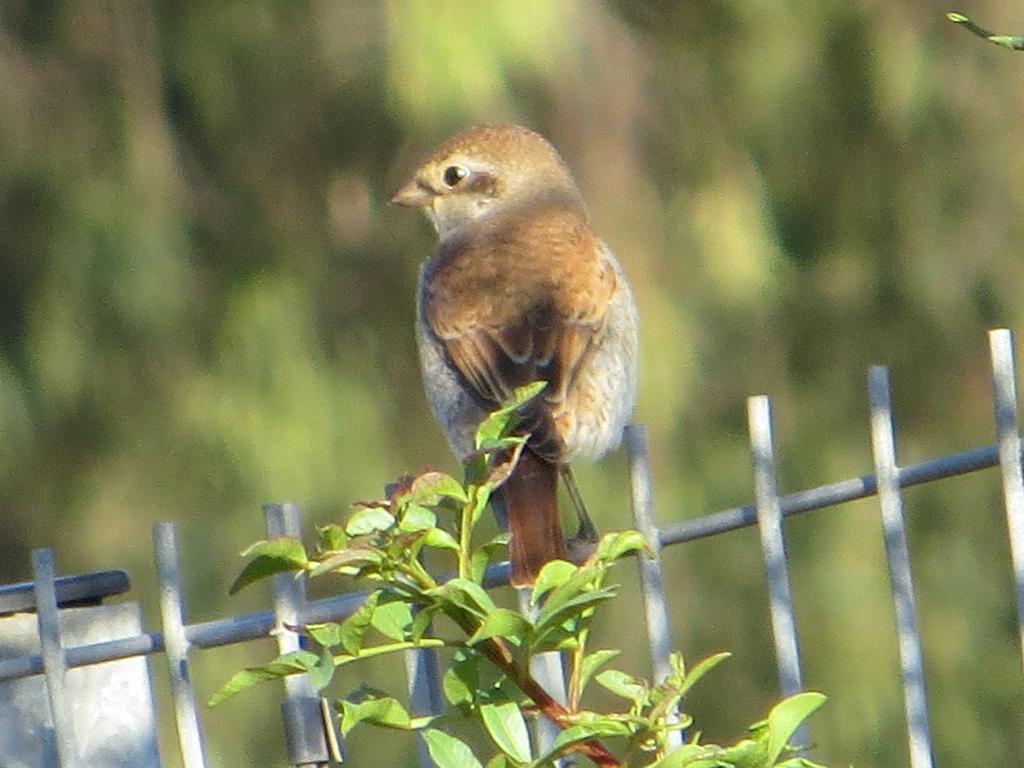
[(453, 174)]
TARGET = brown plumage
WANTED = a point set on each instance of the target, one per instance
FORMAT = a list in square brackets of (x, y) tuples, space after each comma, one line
[(521, 289)]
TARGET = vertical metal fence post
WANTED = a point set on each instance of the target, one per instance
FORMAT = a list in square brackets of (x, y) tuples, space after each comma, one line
[(176, 646), (548, 670), (659, 628), (306, 732), (1004, 394), (54, 662), (421, 669), (883, 445), (773, 546)]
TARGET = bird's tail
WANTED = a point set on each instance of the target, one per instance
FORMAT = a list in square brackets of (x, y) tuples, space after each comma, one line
[(530, 499)]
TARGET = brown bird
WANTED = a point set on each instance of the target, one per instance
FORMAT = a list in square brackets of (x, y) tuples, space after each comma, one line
[(520, 289)]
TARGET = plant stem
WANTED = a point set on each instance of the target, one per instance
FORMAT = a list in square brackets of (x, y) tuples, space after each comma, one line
[(498, 653), (574, 677), (1014, 43), (379, 650), (420, 575), (550, 708), (465, 531)]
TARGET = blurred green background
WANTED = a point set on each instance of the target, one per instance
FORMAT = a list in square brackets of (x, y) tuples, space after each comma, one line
[(206, 304)]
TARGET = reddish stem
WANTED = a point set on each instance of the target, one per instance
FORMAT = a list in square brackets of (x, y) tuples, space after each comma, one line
[(499, 654)]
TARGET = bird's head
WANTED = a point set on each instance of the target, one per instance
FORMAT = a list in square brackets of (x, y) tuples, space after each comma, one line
[(486, 170)]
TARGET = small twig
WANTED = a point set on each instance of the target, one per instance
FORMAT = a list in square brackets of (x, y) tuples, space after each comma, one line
[(1006, 41)]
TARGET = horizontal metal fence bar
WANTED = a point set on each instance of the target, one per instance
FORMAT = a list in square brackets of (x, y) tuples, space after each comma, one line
[(208, 634), (85, 655), (253, 626), (829, 495), (72, 591)]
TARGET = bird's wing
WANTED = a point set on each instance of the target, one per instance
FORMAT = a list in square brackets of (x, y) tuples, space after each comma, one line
[(525, 307)]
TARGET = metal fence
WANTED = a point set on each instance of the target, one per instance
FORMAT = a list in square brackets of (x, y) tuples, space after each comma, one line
[(311, 737)]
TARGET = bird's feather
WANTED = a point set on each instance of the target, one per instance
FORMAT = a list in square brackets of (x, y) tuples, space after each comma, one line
[(519, 303)]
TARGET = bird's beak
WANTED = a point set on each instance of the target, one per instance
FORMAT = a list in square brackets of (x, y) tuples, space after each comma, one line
[(412, 195)]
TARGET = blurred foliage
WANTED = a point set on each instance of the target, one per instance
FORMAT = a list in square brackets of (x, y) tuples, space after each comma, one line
[(205, 303)]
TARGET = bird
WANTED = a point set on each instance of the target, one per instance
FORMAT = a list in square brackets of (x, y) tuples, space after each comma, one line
[(521, 289)]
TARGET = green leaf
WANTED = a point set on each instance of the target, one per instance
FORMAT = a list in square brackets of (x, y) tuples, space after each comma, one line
[(467, 595), (505, 456), (270, 557), (507, 727), (328, 634), (502, 623), (430, 487), (615, 544), (601, 726), (574, 734), (332, 538), (439, 538), (392, 619), (746, 754), (369, 520), (497, 544), (580, 579), (354, 628), (478, 563), (421, 623), (479, 496), (702, 669), (491, 551), (621, 684), (593, 662), (554, 574), (498, 761), (383, 711), (322, 673), (287, 664), (501, 470), (593, 729), (286, 548), (501, 422), (449, 752), (355, 557), (786, 716), (569, 609), (690, 756), (418, 723), (417, 518), (461, 680)]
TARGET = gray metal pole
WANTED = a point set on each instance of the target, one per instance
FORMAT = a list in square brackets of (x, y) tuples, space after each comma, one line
[(883, 445), (652, 581), (1004, 394), (176, 646), (304, 726), (54, 663), (773, 546)]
